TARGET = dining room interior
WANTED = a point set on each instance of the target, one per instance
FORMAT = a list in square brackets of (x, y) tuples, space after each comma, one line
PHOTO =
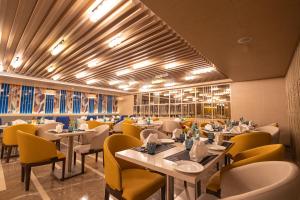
[(150, 99)]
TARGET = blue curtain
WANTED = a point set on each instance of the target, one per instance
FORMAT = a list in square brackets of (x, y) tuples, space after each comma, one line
[(76, 102), (4, 98), (26, 99), (49, 104), (100, 98), (91, 105), (62, 104), (109, 104)]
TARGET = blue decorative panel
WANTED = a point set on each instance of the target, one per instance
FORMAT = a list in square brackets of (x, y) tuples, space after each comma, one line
[(26, 99), (91, 105), (100, 99), (76, 102), (62, 102), (4, 98), (49, 104), (109, 104)]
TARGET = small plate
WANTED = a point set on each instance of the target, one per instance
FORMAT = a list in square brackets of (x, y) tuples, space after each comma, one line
[(187, 166), (166, 141), (216, 147)]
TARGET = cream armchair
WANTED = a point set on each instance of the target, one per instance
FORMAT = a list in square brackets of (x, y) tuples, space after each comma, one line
[(169, 126), (91, 144), (43, 132), (272, 130), (146, 132), (271, 180)]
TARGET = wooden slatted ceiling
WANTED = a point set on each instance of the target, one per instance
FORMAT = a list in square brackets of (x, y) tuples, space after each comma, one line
[(30, 29)]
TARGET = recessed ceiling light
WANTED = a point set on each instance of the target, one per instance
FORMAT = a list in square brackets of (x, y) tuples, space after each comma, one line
[(188, 78), (57, 48), (123, 72), (93, 63), (56, 77), (126, 89), (115, 41), (171, 65), (51, 68), (157, 81), (114, 82), (81, 74), (244, 40), (169, 84), (203, 70), (142, 64), (98, 10), (17, 62), (91, 81), (123, 86)]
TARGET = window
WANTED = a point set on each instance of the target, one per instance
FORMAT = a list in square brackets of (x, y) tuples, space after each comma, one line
[(49, 103), (62, 106), (91, 105), (26, 99), (4, 98), (100, 99), (109, 104), (76, 102)]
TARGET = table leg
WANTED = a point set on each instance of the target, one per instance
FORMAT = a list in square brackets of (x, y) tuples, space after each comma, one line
[(170, 187), (70, 153), (191, 191)]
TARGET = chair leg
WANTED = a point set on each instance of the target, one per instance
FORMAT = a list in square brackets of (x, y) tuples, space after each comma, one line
[(106, 193), (53, 166), (74, 160), (82, 163), (2, 150), (8, 153), (27, 177), (58, 144), (63, 170), (163, 193), (22, 173), (97, 156), (103, 158)]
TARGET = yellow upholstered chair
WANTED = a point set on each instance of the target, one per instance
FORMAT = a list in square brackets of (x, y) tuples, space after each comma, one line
[(93, 124), (247, 141), (155, 119), (188, 123), (273, 152), (125, 180), (36, 151), (131, 130), (128, 121), (10, 137)]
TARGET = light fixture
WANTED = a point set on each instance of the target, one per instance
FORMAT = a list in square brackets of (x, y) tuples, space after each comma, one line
[(142, 64), (171, 65), (203, 70), (169, 84), (91, 96), (157, 81), (101, 9), (123, 72), (115, 41), (114, 82), (58, 48), (51, 68), (91, 81), (123, 86), (189, 78), (56, 77), (125, 89), (17, 62), (130, 83), (81, 74), (93, 63)]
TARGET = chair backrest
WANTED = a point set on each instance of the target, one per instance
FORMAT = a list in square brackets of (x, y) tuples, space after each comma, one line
[(10, 133), (131, 130), (170, 125), (271, 180), (64, 120), (247, 141), (128, 121), (42, 130), (146, 132), (118, 127), (93, 124), (34, 149), (273, 131), (113, 165), (97, 140)]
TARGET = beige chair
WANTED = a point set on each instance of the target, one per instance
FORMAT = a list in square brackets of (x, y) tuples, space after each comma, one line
[(117, 128), (43, 132), (91, 144), (146, 132), (169, 126), (272, 130), (271, 180)]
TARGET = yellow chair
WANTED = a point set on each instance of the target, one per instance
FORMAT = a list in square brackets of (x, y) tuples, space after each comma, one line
[(155, 119), (247, 141), (93, 124), (131, 130), (125, 180), (36, 151), (10, 137), (128, 121), (273, 152)]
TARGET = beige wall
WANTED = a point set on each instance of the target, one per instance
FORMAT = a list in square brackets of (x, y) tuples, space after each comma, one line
[(293, 91), (262, 101), (125, 105)]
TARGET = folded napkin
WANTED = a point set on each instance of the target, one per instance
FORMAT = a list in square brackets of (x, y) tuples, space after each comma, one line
[(152, 138), (84, 126), (239, 129), (208, 127), (199, 151), (176, 133), (59, 128), (177, 120), (48, 121), (18, 121)]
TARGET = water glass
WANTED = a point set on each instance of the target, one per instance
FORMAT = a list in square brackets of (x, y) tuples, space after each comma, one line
[(151, 147), (189, 143), (182, 137)]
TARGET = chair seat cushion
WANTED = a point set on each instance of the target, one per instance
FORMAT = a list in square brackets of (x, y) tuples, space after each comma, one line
[(214, 182), (84, 148), (60, 155), (138, 184)]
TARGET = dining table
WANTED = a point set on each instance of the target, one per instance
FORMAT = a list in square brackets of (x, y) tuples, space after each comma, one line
[(154, 125), (161, 163)]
